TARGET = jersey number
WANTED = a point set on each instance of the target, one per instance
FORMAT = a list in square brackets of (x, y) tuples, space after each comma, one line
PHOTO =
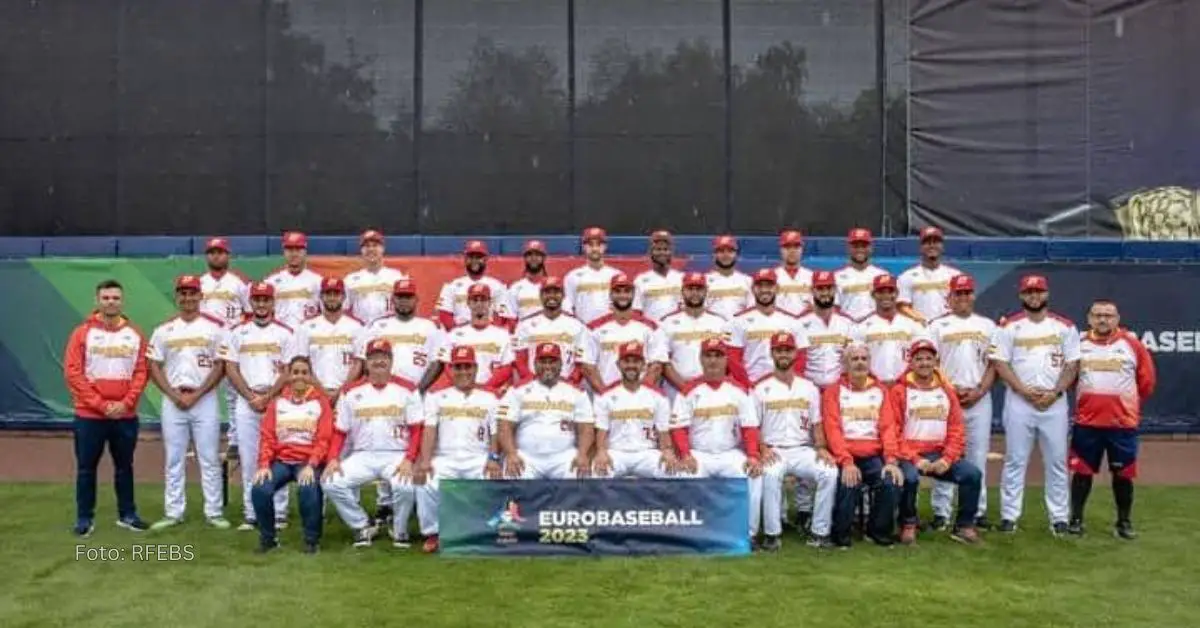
[(564, 426), (481, 434), (204, 361), (420, 358), (650, 433), (347, 358), (400, 432), (1056, 359), (232, 312)]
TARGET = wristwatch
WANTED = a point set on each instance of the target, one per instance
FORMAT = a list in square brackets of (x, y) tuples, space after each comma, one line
[(493, 456)]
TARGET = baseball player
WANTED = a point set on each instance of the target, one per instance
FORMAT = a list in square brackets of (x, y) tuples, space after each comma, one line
[(1116, 375), (546, 424), (452, 309), (381, 419), (656, 291), (330, 339), (856, 279), (860, 429), (728, 288), (631, 423), (962, 338), (225, 295), (932, 439), (748, 334), (1036, 354), (297, 287), (682, 333), (254, 353), (490, 343), (297, 429), (553, 324), (925, 287), (795, 281), (459, 440), (616, 329), (887, 332), (525, 294), (182, 361), (793, 443), (585, 289), (368, 290)]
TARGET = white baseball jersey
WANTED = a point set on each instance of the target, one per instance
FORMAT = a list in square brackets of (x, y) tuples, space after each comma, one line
[(888, 341), (565, 330), (794, 293), (525, 297), (465, 421), (751, 331), (297, 295), (854, 290), (787, 410), (607, 334), (585, 292), (492, 343), (330, 346), (453, 298), (926, 289), (1036, 351), (826, 342), (963, 343), (656, 295), (545, 416), (260, 351), (681, 333), (632, 418), (377, 418), (415, 344), (225, 296), (187, 349), (369, 294), (728, 294), (714, 415)]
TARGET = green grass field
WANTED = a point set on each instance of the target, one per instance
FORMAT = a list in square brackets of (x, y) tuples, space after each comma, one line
[(1030, 579)]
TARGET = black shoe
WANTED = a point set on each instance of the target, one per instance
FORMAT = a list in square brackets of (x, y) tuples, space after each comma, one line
[(804, 523), (1124, 530), (982, 523), (939, 524), (755, 544), (771, 544), (231, 453), (383, 516), (1059, 529), (267, 546), (363, 537), (1075, 527), (1007, 526), (312, 548), (821, 542), (83, 528), (882, 541), (133, 523)]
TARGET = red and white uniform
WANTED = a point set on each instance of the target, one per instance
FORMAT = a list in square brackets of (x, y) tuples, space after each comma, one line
[(826, 342), (1116, 374), (465, 423), (859, 422), (749, 335), (681, 334), (728, 294), (564, 330), (633, 420), (297, 295), (929, 417), (415, 344), (788, 411), (545, 419), (926, 289), (105, 364), (608, 334), (854, 290), (296, 430), (225, 296), (330, 345), (525, 296), (369, 294), (888, 339), (585, 292), (794, 293), (452, 308), (187, 351), (494, 352), (656, 295)]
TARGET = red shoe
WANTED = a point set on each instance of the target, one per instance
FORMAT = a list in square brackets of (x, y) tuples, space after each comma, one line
[(431, 545), (908, 534)]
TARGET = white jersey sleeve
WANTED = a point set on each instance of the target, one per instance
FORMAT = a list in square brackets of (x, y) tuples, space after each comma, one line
[(156, 349), (1002, 344), (735, 333), (656, 348), (570, 289), (231, 347), (904, 288), (681, 412), (584, 412), (509, 409), (602, 409), (431, 409), (342, 417), (585, 346), (747, 411), (414, 410), (445, 300), (302, 340), (1071, 352), (662, 413)]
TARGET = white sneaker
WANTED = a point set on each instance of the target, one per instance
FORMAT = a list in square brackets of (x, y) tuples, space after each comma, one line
[(401, 542), (220, 523), (248, 526), (163, 524)]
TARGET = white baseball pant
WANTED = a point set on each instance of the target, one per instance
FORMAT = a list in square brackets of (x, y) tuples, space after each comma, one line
[(556, 466), (731, 464), (638, 464), (202, 423), (249, 423), (361, 467), (802, 463), (230, 395), (979, 435), (429, 496), (1023, 424)]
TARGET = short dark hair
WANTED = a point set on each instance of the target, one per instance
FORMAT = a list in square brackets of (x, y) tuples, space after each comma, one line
[(108, 284), (300, 358)]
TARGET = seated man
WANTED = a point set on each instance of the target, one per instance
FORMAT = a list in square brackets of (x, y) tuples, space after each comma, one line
[(631, 422), (861, 432), (545, 424), (931, 442)]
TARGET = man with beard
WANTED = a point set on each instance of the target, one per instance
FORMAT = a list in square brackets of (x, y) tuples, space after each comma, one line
[(925, 288), (854, 280), (681, 334), (728, 288), (491, 344), (452, 308), (795, 281), (749, 333), (553, 325), (369, 289), (329, 339), (618, 328), (631, 423), (225, 295), (524, 294), (585, 289), (656, 291), (297, 287), (888, 332), (1036, 354)]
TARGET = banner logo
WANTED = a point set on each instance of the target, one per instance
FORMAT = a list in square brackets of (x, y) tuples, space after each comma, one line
[(507, 522)]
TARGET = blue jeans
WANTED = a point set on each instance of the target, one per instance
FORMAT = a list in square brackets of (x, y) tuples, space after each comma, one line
[(966, 475), (263, 498), (883, 506), (91, 435)]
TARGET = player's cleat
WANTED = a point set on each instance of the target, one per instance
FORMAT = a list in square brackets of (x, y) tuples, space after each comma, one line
[(1124, 530), (401, 542), (804, 523), (267, 546), (363, 537), (908, 534), (220, 523), (881, 541), (966, 536), (163, 524), (982, 523), (431, 544), (133, 523), (820, 542), (248, 525), (771, 543), (383, 516), (1007, 526), (83, 528), (1059, 529), (939, 524), (312, 548), (281, 524), (1075, 527), (755, 544)]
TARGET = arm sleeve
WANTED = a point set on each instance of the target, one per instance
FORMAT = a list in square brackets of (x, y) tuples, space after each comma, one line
[(681, 412), (445, 300), (141, 375), (291, 347), (662, 413), (324, 433), (584, 413), (904, 288), (834, 437), (300, 341), (602, 416), (1146, 374), (156, 349), (660, 348), (955, 429), (243, 296), (1001, 346), (747, 411), (230, 346), (815, 400), (344, 414), (896, 403), (639, 296), (266, 436), (82, 390), (585, 342), (360, 342), (569, 289), (888, 433), (434, 343), (431, 409), (735, 333), (510, 407), (1071, 345)]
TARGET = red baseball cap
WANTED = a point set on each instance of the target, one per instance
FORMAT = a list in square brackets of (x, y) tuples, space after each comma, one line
[(217, 244), (475, 247), (713, 344), (379, 345), (462, 354), (791, 237), (295, 240), (535, 246), (404, 287), (632, 349), (620, 280), (547, 350), (962, 283), (187, 282), (370, 235), (823, 279), (783, 339), (921, 345), (858, 234), (262, 289), (333, 284), (552, 283), (594, 233), (724, 242), (932, 233), (883, 282), (479, 290), (1034, 282), (661, 235), (697, 280), (765, 274)]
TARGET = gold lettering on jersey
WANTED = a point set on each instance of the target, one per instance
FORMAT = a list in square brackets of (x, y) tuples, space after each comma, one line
[(299, 293), (545, 406), (485, 347), (188, 342), (451, 413), (854, 288), (631, 414), (592, 287), (1103, 365), (726, 293), (827, 339), (333, 339), (1037, 341), (560, 337), (694, 336), (372, 288), (964, 336), (791, 288), (885, 336), (611, 345), (529, 302), (117, 351), (405, 339), (930, 286), (928, 413), (259, 347), (780, 405), (220, 295), (372, 413), (860, 413), (288, 427), (715, 412), (760, 335), (662, 291)]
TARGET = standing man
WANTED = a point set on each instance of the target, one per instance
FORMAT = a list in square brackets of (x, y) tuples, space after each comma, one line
[(795, 281), (585, 289), (105, 369), (452, 308), (225, 295), (491, 344), (631, 423), (750, 331), (368, 290), (682, 333), (1036, 354), (856, 279), (618, 328), (962, 338), (297, 287), (1116, 375), (656, 291), (524, 294), (925, 287), (827, 329), (183, 362), (728, 288), (888, 332), (329, 339), (554, 325)]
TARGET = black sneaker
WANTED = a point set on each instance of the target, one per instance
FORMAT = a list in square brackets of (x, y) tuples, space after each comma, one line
[(231, 453), (755, 544), (267, 546), (820, 542), (804, 523), (312, 548), (982, 523), (771, 544), (1124, 530), (133, 523), (363, 537), (882, 541), (1059, 529), (1007, 526), (83, 528), (1075, 527), (382, 517), (939, 524)]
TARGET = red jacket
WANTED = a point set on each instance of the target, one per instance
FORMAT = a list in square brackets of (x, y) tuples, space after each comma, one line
[(296, 430), (936, 423), (865, 428), (104, 364)]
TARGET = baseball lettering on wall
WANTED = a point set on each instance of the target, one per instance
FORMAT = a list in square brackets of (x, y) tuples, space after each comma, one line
[(1169, 341)]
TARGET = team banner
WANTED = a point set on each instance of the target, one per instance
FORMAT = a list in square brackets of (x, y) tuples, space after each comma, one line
[(594, 517)]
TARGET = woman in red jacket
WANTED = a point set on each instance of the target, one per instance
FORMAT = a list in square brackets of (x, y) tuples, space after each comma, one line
[(295, 434)]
